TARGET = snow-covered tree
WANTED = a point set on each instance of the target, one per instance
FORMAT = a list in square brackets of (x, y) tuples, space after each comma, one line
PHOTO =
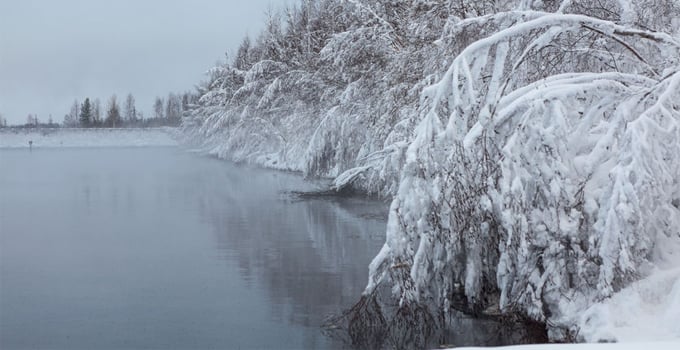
[(69, 121), (542, 173), (113, 117), (158, 108), (530, 147)]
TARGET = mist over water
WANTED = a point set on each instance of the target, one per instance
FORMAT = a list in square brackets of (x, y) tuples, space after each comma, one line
[(157, 248)]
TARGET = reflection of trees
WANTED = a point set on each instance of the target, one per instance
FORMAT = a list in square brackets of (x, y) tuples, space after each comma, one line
[(310, 256)]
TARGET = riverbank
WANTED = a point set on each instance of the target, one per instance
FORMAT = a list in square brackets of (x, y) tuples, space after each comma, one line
[(57, 137), (642, 316), (601, 346)]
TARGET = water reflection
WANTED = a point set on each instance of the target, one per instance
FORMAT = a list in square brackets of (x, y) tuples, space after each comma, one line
[(310, 256), (158, 249)]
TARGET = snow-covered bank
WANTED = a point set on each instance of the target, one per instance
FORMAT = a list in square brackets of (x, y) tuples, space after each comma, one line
[(648, 309), (51, 138), (645, 315), (531, 151), (600, 346)]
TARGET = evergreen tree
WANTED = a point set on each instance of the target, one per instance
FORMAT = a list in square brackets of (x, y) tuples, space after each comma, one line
[(113, 118), (241, 61), (158, 108), (97, 113), (86, 114), (68, 120)]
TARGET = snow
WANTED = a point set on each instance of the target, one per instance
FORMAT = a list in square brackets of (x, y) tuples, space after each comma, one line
[(647, 310), (531, 156), (645, 315), (55, 138), (599, 346), (569, 252)]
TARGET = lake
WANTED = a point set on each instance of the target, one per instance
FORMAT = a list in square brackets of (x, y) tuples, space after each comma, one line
[(157, 248)]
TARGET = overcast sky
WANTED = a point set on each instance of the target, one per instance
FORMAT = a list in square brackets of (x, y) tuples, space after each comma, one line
[(52, 52)]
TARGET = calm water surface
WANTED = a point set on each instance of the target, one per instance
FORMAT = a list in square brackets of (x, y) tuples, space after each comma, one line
[(157, 248)]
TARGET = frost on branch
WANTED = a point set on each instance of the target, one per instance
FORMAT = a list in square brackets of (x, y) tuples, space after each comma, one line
[(542, 173)]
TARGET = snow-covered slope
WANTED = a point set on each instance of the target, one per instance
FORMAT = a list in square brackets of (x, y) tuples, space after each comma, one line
[(50, 138), (646, 310)]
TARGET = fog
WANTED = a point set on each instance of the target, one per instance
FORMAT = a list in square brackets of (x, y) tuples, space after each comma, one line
[(52, 52)]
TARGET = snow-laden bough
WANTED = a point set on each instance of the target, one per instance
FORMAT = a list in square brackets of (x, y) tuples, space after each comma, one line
[(536, 189)]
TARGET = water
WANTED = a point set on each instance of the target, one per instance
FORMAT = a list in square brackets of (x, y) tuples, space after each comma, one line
[(157, 248)]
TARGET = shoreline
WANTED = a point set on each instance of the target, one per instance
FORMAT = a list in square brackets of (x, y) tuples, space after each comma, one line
[(17, 138)]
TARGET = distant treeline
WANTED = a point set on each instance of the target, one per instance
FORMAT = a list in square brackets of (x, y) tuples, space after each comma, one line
[(166, 112), (90, 114)]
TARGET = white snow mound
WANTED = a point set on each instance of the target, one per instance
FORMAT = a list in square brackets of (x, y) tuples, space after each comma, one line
[(648, 309)]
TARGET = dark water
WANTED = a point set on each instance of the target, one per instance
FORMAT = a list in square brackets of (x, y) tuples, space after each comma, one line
[(157, 248)]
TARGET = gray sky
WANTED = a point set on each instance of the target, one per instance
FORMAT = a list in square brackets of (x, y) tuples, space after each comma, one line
[(52, 52)]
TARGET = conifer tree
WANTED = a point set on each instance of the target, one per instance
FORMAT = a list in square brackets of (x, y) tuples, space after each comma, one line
[(86, 114), (113, 118), (158, 108)]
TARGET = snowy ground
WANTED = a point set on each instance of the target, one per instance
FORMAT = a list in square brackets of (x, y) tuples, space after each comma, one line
[(647, 310), (50, 138), (645, 315), (602, 346)]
